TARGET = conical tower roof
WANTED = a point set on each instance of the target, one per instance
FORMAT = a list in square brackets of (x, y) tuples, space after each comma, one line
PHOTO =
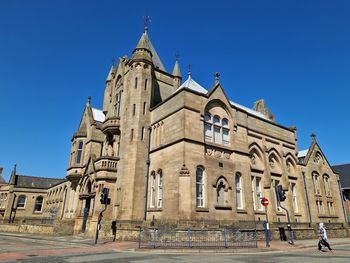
[(176, 70), (2, 179), (146, 44)]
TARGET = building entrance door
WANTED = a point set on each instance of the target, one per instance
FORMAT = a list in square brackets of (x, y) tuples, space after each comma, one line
[(85, 214)]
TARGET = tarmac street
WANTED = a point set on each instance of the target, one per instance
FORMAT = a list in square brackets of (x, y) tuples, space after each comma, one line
[(75, 249)]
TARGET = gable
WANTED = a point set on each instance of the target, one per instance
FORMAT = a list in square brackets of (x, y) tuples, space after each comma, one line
[(316, 156)]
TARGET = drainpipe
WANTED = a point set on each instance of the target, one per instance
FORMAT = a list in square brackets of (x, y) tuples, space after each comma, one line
[(148, 162), (307, 198), (342, 201)]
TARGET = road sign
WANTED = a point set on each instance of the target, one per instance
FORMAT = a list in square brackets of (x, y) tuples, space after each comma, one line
[(264, 201)]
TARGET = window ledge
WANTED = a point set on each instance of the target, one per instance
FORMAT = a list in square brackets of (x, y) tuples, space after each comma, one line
[(327, 216), (242, 211), (202, 209), (259, 212), (297, 214), (219, 207), (20, 208), (154, 210), (37, 212)]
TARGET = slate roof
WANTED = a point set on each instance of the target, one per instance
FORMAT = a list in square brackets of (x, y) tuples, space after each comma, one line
[(344, 174), (193, 85), (98, 115), (36, 182), (302, 153)]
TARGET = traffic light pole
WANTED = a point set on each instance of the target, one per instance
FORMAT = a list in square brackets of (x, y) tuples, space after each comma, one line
[(289, 224), (98, 225), (288, 218)]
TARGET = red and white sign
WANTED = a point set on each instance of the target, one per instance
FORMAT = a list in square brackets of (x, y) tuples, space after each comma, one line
[(264, 201)]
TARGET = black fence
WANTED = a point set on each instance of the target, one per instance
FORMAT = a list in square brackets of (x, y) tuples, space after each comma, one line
[(168, 237)]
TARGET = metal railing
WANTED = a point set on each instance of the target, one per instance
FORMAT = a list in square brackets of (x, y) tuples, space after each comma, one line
[(167, 237)]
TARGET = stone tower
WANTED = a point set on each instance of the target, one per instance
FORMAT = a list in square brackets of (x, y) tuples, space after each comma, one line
[(133, 87)]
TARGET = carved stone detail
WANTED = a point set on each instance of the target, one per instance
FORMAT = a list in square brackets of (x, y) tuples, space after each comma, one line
[(219, 154), (184, 171)]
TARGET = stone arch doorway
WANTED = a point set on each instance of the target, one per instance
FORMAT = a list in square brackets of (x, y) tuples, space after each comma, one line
[(87, 201)]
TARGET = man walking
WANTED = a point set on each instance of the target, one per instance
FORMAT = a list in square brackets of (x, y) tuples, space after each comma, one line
[(322, 238)]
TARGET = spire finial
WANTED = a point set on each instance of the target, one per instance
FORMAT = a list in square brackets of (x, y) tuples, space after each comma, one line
[(89, 100), (177, 55), (313, 136), (189, 70), (217, 75), (146, 21)]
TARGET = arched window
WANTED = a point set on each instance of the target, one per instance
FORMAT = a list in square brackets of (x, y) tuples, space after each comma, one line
[(239, 191), (21, 202), (327, 188), (156, 195), (146, 84), (38, 204), (225, 132), (200, 187), (117, 104), (160, 189), (294, 198), (135, 83), (208, 128), (79, 152), (216, 130), (316, 183), (153, 190), (220, 192), (257, 192)]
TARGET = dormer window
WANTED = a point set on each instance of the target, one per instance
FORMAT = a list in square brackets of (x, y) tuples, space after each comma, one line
[(217, 126)]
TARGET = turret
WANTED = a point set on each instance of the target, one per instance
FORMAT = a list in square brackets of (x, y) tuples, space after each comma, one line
[(177, 73), (13, 178)]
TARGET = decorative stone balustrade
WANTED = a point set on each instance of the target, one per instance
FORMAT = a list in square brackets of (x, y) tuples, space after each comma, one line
[(106, 164), (111, 125)]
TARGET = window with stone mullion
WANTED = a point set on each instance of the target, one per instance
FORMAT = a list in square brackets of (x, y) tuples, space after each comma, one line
[(160, 190), (199, 187), (239, 195)]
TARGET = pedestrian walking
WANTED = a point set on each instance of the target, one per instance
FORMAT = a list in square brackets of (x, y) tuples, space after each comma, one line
[(322, 238)]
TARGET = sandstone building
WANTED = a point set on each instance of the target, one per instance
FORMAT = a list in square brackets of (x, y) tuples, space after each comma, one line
[(209, 158)]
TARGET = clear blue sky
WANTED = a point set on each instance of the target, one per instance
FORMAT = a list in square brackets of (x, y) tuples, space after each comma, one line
[(54, 54)]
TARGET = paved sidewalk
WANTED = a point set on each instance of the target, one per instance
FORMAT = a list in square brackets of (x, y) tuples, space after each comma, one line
[(26, 246)]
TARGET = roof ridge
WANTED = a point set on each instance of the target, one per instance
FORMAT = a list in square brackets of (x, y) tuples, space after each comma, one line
[(41, 177)]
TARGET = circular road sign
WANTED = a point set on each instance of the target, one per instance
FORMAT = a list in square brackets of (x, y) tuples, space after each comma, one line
[(264, 201)]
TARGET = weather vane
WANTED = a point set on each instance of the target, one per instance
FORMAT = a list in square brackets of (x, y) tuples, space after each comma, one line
[(146, 21), (189, 69), (177, 55)]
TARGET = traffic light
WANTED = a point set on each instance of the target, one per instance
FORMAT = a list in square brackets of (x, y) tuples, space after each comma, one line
[(104, 196), (281, 194)]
